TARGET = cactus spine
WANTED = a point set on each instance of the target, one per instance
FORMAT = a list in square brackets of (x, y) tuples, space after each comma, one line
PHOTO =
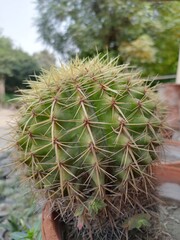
[(87, 134)]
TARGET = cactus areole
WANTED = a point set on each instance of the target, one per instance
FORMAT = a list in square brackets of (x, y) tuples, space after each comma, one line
[(87, 134)]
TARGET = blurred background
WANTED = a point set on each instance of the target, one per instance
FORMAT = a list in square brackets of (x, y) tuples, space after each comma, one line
[(35, 34)]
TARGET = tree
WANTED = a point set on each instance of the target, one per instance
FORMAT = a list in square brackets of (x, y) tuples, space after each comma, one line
[(6, 58), (44, 59), (15, 65), (6, 62), (133, 29), (167, 41), (24, 67)]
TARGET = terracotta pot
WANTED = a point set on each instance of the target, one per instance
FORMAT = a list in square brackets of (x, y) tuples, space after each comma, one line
[(170, 95), (167, 172), (50, 225)]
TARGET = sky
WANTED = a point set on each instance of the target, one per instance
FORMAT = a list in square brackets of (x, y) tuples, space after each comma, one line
[(17, 22)]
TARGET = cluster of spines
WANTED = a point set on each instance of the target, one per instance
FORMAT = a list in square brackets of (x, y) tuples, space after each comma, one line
[(86, 129)]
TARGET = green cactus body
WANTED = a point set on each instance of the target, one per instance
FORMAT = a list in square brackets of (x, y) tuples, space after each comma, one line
[(85, 132)]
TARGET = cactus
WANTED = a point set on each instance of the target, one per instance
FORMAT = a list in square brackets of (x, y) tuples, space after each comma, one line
[(87, 134)]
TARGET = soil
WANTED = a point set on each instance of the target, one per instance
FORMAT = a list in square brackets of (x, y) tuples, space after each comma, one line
[(169, 209)]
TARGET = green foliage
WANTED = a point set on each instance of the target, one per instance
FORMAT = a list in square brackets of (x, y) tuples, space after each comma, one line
[(15, 65), (19, 214), (137, 221), (87, 134), (24, 65), (95, 206), (19, 230), (144, 33), (6, 58)]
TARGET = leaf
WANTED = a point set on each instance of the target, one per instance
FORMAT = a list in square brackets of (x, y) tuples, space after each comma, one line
[(30, 234), (16, 224), (137, 221), (95, 206), (18, 235)]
